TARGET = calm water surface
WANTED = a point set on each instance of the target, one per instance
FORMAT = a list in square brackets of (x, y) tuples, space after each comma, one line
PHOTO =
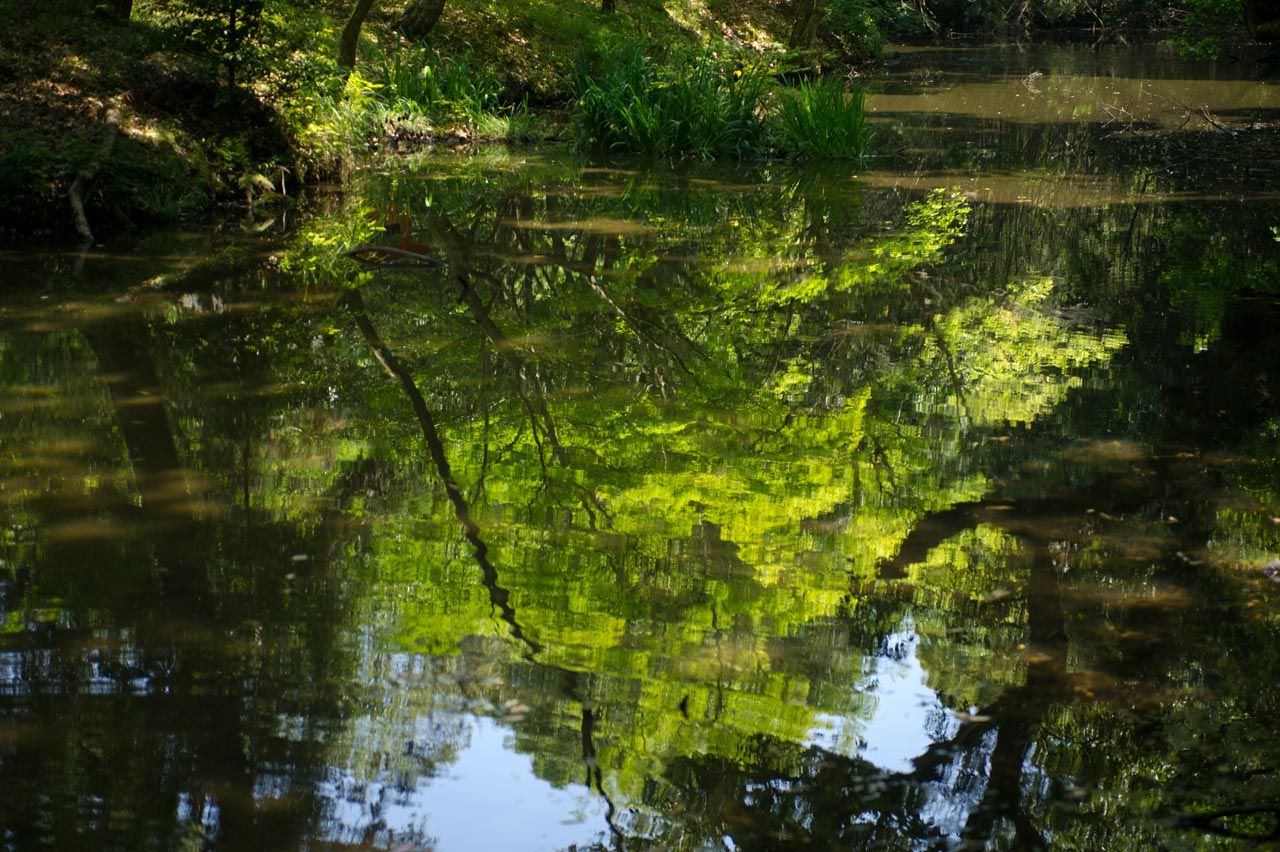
[(922, 504)]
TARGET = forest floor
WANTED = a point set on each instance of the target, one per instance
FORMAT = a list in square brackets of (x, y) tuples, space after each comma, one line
[(531, 44), (183, 144)]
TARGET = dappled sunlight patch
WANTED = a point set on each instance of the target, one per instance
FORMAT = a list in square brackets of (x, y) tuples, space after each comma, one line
[(754, 267), (87, 530), (531, 344), (1149, 594)]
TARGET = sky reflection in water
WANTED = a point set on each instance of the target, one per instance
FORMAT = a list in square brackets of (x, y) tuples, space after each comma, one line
[(489, 797)]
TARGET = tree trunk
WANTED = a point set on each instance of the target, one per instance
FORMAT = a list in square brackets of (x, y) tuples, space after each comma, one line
[(609, 6), (351, 34), (83, 178), (805, 17), (419, 18), (122, 9)]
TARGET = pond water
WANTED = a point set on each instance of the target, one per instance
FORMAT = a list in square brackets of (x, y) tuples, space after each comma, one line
[(923, 503)]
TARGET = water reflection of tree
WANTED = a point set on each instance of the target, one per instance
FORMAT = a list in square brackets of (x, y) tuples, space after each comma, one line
[(183, 706), (703, 472), (1047, 529), (610, 306)]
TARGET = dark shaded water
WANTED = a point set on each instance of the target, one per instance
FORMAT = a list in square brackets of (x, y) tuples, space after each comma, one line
[(897, 507)]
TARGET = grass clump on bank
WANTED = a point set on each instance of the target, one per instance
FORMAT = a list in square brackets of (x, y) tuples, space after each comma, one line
[(627, 103), (420, 79), (406, 96), (822, 120)]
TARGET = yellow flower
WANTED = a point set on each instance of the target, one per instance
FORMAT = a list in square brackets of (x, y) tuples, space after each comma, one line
[(733, 223), (737, 72)]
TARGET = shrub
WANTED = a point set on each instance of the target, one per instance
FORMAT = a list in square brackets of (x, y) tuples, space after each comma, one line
[(856, 26), (28, 180), (821, 119), (1206, 25), (230, 33)]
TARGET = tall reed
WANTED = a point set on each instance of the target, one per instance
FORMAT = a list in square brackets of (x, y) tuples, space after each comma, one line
[(419, 78), (821, 120), (627, 103)]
